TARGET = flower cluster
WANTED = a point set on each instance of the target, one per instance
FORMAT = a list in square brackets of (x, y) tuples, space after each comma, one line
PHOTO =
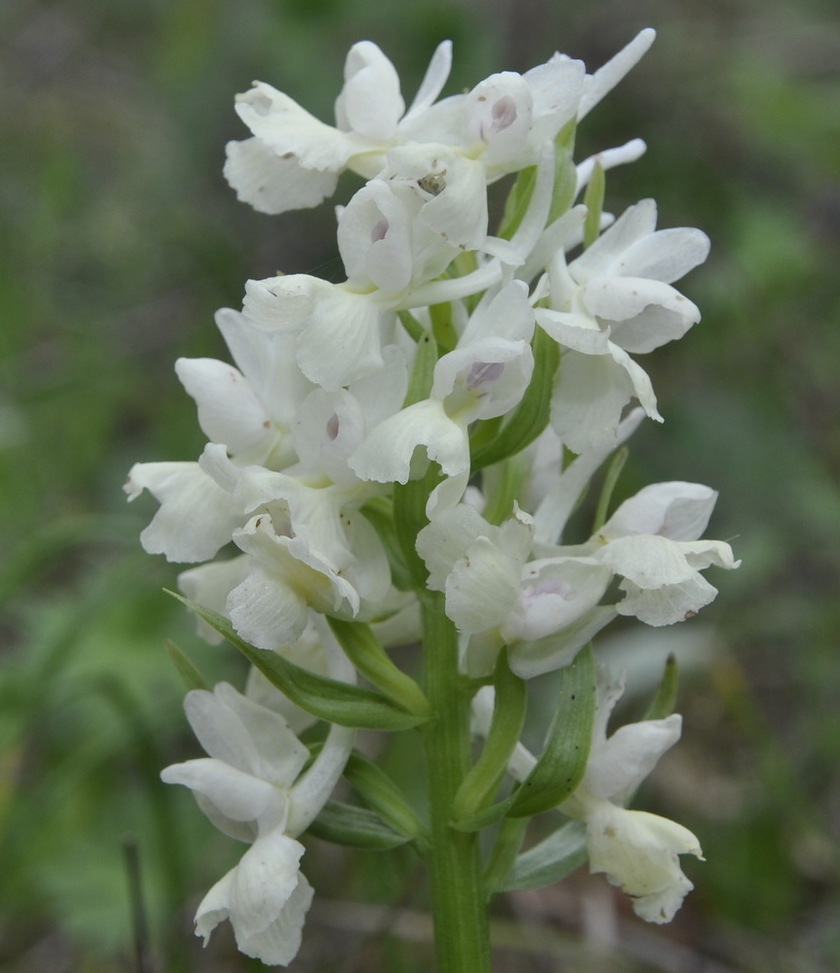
[(493, 364)]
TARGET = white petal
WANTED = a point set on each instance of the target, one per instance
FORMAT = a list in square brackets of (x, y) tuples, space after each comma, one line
[(666, 255), (196, 516), (647, 560), (677, 510), (433, 81), (604, 256), (349, 325), (279, 755), (639, 852), (266, 899), (598, 85), (482, 587), (278, 943), (530, 659), (498, 113), (209, 585), (590, 394), (235, 794), (667, 604), (446, 539), (313, 789), (370, 102), (228, 410), (279, 304), (555, 593), (266, 612), (385, 455), (647, 313), (618, 765), (274, 183), (285, 127), (374, 238), (556, 87)]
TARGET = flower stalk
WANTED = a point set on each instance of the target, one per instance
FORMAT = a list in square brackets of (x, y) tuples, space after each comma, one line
[(462, 934)]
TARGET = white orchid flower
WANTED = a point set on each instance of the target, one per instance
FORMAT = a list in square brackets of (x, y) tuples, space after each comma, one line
[(613, 300), (251, 788), (484, 377), (293, 159), (651, 541), (248, 408), (496, 595), (638, 851)]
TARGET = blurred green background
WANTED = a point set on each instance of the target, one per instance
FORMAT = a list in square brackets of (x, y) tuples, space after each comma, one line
[(120, 239)]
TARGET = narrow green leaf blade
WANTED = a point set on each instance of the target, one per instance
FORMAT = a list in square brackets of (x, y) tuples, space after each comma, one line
[(187, 669), (531, 416), (562, 764), (382, 795), (344, 824), (327, 699), (550, 860), (363, 649), (665, 700)]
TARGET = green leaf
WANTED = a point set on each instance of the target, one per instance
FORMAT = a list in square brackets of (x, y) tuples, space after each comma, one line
[(562, 764), (412, 326), (410, 518), (344, 824), (327, 699), (517, 201), (550, 860), (379, 513), (365, 652), (565, 173), (531, 416), (422, 371), (482, 780), (443, 327), (594, 200), (665, 700), (610, 481), (381, 794), (503, 486), (187, 669)]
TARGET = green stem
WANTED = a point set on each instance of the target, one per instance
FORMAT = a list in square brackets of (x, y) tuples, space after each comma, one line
[(462, 932)]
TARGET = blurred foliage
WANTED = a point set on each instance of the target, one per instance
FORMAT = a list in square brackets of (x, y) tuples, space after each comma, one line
[(121, 239)]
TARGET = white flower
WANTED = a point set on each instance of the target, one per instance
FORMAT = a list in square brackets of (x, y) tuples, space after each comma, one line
[(249, 409), (614, 299), (652, 542), (196, 516), (294, 160), (484, 377), (508, 117), (497, 596), (636, 850), (251, 788)]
